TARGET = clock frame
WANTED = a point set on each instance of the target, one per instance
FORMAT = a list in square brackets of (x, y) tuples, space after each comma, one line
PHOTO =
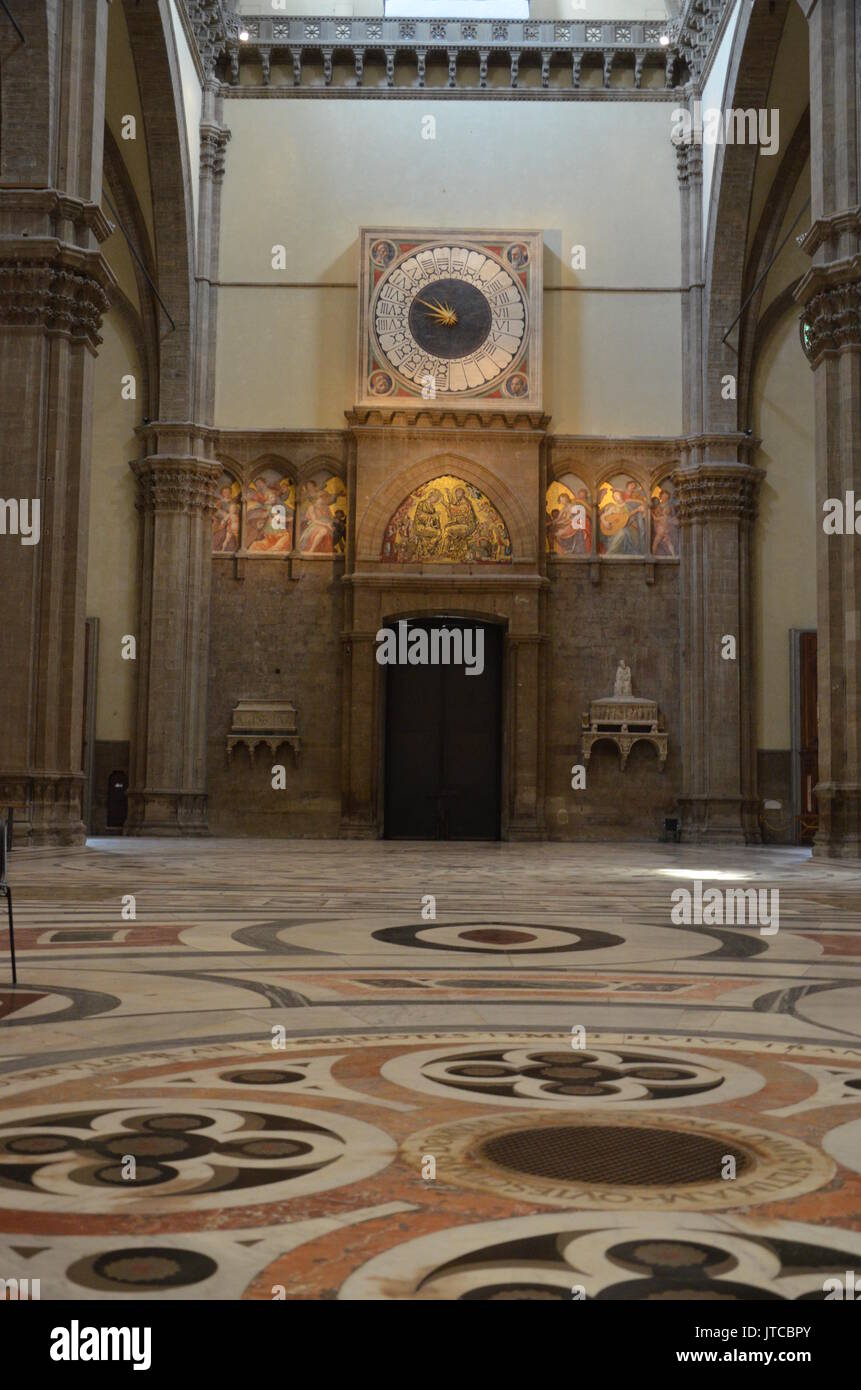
[(450, 318)]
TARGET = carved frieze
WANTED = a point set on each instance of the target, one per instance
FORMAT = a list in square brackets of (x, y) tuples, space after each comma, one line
[(387, 418)]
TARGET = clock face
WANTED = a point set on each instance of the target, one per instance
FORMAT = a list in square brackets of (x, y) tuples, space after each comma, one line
[(450, 319)]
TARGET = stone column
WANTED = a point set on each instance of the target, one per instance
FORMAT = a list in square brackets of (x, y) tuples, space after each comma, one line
[(177, 497), (178, 480), (717, 508), (54, 288), (214, 139), (689, 158), (524, 805), (831, 293), (361, 796)]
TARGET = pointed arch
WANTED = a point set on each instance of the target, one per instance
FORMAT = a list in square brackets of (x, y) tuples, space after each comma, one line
[(157, 65), (371, 526)]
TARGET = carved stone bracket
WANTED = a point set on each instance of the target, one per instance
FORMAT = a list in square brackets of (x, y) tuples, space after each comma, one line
[(624, 722), (624, 743), (272, 741), (270, 722)]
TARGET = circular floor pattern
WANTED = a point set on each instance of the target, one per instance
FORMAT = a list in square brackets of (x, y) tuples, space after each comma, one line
[(613, 1154), (141, 1269), (500, 938), (24, 1007), (606, 1163), (571, 1077), (207, 1156), (646, 1256)]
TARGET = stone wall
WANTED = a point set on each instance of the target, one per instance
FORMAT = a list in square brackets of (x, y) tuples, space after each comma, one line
[(274, 637), (591, 627)]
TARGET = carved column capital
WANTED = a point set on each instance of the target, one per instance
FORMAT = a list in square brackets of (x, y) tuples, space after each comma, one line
[(213, 148), (711, 493), (689, 163), (176, 484), (832, 314), (49, 284)]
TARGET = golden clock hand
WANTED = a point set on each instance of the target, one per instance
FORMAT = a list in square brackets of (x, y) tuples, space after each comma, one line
[(443, 313)]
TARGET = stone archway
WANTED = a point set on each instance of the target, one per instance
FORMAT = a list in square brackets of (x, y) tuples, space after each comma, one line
[(503, 460)]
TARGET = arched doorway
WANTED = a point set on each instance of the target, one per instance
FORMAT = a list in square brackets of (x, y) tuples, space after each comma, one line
[(443, 730)]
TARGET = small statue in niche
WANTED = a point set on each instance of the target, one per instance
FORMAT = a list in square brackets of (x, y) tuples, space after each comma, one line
[(622, 689)]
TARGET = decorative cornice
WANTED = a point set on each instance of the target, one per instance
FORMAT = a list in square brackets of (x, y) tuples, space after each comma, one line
[(548, 45), (827, 228), (51, 285), (555, 49), (413, 418), (176, 484), (700, 26), (212, 25), (615, 444), (213, 149), (709, 492), (57, 208)]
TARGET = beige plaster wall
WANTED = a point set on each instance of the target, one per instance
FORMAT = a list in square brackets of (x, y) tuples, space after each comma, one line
[(112, 576), (123, 98), (789, 95), (192, 104), (308, 174), (785, 536), (118, 256)]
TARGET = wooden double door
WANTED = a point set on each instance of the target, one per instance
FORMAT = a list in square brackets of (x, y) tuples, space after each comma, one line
[(443, 743)]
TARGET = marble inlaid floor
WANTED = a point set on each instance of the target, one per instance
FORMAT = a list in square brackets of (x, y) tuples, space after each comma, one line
[(280, 1079)]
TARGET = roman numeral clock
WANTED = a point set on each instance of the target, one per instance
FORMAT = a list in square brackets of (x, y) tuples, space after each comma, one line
[(450, 318)]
